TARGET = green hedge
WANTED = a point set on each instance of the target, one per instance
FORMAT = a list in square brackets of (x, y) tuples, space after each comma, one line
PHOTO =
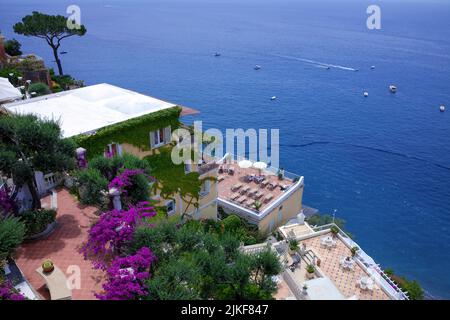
[(36, 221), (134, 131), (12, 232)]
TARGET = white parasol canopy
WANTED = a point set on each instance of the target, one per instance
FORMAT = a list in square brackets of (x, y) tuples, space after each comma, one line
[(260, 165), (244, 164)]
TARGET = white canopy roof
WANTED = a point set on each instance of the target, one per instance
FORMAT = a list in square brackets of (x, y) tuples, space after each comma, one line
[(90, 108), (7, 91)]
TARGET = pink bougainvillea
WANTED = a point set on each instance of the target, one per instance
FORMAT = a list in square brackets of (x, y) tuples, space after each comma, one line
[(124, 179), (7, 205), (114, 228), (126, 276), (7, 292)]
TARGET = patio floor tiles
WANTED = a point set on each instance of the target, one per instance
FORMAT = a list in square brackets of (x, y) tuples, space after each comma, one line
[(62, 247)]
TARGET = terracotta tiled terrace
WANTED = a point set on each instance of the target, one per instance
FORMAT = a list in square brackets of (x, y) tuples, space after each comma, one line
[(237, 189), (344, 280), (61, 246)]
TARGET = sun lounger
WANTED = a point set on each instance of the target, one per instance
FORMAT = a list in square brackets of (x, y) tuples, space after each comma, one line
[(245, 189), (220, 178), (264, 183), (268, 197), (258, 195), (56, 282), (272, 185), (231, 171), (234, 196), (252, 192), (250, 177), (249, 203), (241, 199), (237, 186)]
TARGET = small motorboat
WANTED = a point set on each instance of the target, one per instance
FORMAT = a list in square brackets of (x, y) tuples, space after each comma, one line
[(372, 67), (257, 67), (217, 54), (442, 108), (63, 52), (273, 98), (366, 94), (393, 88)]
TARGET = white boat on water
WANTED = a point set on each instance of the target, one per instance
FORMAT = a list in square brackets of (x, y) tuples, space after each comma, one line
[(366, 94), (257, 67), (217, 54), (273, 98), (442, 108), (393, 88), (372, 67)]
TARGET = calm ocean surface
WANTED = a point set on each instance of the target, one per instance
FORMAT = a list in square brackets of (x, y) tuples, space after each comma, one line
[(383, 161)]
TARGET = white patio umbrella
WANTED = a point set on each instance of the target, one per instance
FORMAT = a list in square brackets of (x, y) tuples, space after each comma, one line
[(260, 166), (244, 164)]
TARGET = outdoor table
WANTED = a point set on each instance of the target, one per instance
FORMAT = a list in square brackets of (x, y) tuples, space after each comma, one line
[(56, 282)]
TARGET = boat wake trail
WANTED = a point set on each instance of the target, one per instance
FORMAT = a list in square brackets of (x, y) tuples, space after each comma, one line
[(367, 148), (316, 63)]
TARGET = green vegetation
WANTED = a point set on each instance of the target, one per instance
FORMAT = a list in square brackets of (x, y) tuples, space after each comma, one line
[(172, 180), (412, 287), (310, 268), (53, 29), (12, 47), (324, 219), (134, 131), (12, 233), (36, 221), (92, 183), (195, 263), (29, 144), (6, 71), (64, 82), (293, 244), (40, 88)]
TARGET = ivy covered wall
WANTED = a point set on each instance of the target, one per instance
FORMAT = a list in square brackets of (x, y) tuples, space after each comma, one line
[(134, 131)]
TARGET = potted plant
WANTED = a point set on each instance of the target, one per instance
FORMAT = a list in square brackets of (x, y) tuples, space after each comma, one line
[(47, 266), (257, 205), (280, 174), (334, 230), (310, 269), (354, 250), (293, 246), (305, 288)]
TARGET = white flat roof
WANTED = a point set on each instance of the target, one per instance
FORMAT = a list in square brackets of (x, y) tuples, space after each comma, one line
[(90, 108), (7, 91), (323, 289)]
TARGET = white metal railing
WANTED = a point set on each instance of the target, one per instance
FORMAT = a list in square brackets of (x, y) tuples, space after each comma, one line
[(293, 286)]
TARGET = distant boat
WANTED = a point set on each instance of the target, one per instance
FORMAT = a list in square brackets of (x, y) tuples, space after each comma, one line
[(372, 67), (257, 67), (356, 70), (63, 52), (366, 94), (273, 98), (393, 88), (217, 54), (442, 108)]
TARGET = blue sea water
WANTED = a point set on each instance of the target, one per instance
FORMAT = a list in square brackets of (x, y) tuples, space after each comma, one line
[(383, 161)]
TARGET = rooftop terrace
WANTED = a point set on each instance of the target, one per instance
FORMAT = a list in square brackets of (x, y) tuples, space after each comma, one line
[(242, 187)]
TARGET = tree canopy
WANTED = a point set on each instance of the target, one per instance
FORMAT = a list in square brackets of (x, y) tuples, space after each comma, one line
[(29, 144), (52, 28)]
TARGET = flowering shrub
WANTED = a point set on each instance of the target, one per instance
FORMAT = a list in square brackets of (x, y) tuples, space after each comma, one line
[(133, 185), (124, 179), (7, 205), (127, 275), (7, 292), (112, 231)]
